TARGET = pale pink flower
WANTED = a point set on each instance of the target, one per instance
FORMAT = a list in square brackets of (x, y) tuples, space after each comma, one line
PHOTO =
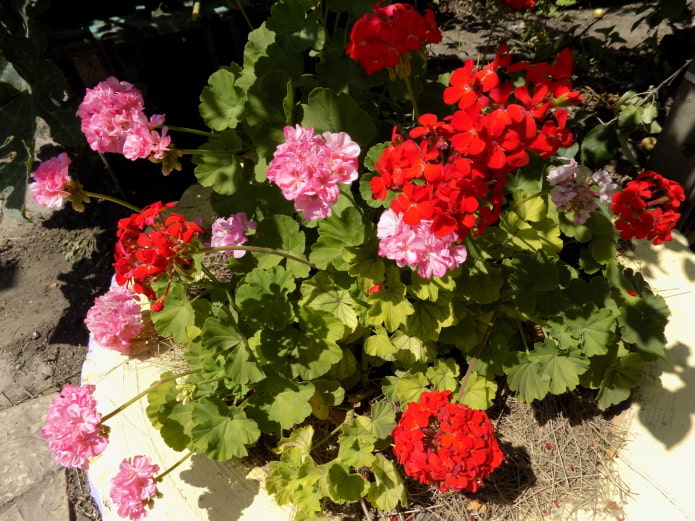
[(232, 232), (308, 169), (73, 427), (133, 489), (50, 181), (575, 190), (113, 120), (115, 319), (417, 246)]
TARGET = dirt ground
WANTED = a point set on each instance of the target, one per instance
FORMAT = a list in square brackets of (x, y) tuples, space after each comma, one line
[(52, 267)]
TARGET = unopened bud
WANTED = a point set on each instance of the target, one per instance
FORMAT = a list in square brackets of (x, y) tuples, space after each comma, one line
[(648, 143), (599, 12)]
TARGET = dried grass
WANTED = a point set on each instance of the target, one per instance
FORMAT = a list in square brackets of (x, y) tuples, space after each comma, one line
[(558, 466)]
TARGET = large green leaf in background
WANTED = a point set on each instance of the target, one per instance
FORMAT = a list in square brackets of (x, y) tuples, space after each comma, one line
[(220, 431)]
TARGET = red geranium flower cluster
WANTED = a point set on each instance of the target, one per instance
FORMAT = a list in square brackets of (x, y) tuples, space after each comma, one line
[(151, 245), (648, 207), (446, 444), (455, 173), (519, 5), (386, 35)]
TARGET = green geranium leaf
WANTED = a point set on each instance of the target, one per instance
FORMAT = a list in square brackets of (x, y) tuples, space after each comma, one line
[(282, 233), (222, 101), (390, 306), (619, 380), (328, 393), (158, 398), (300, 439), (604, 237), (527, 377), (366, 264), (18, 116), (220, 333), (221, 431), (560, 368), (481, 282), (344, 486), (529, 275), (380, 346), (406, 388), (532, 236), (480, 391), (308, 351), (321, 292), (444, 374), (335, 233), (642, 323), (411, 349), (296, 479), (292, 406), (221, 168), (178, 317), (173, 419), (594, 327), (263, 298), (428, 318), (383, 421), (387, 490), (356, 445), (265, 108), (330, 111), (599, 146)]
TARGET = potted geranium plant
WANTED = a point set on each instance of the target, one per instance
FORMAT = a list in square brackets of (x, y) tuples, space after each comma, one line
[(414, 241)]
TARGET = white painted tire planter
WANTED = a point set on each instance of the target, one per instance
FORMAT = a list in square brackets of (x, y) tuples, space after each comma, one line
[(199, 489), (656, 464)]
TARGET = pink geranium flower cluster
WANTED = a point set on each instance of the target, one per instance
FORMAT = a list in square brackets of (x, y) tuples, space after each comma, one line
[(115, 319), (73, 427), (417, 246), (114, 120), (51, 180), (308, 169), (576, 189), (232, 232), (133, 489)]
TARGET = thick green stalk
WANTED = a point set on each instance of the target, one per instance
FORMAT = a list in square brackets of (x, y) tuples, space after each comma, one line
[(113, 200), (258, 249), (145, 392)]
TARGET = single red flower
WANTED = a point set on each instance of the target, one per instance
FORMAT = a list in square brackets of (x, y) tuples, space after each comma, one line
[(380, 38), (519, 5), (152, 245), (648, 207), (444, 444)]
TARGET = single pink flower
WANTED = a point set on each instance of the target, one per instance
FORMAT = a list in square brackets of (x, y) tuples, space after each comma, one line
[(232, 232), (73, 427), (113, 120), (308, 169), (576, 189), (418, 246), (115, 319), (133, 489), (50, 181)]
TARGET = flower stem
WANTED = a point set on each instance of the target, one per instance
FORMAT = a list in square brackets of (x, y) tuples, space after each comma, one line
[(514, 205), (411, 94), (474, 359), (161, 476), (243, 13), (201, 151), (145, 392), (113, 200), (258, 249), (190, 131)]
